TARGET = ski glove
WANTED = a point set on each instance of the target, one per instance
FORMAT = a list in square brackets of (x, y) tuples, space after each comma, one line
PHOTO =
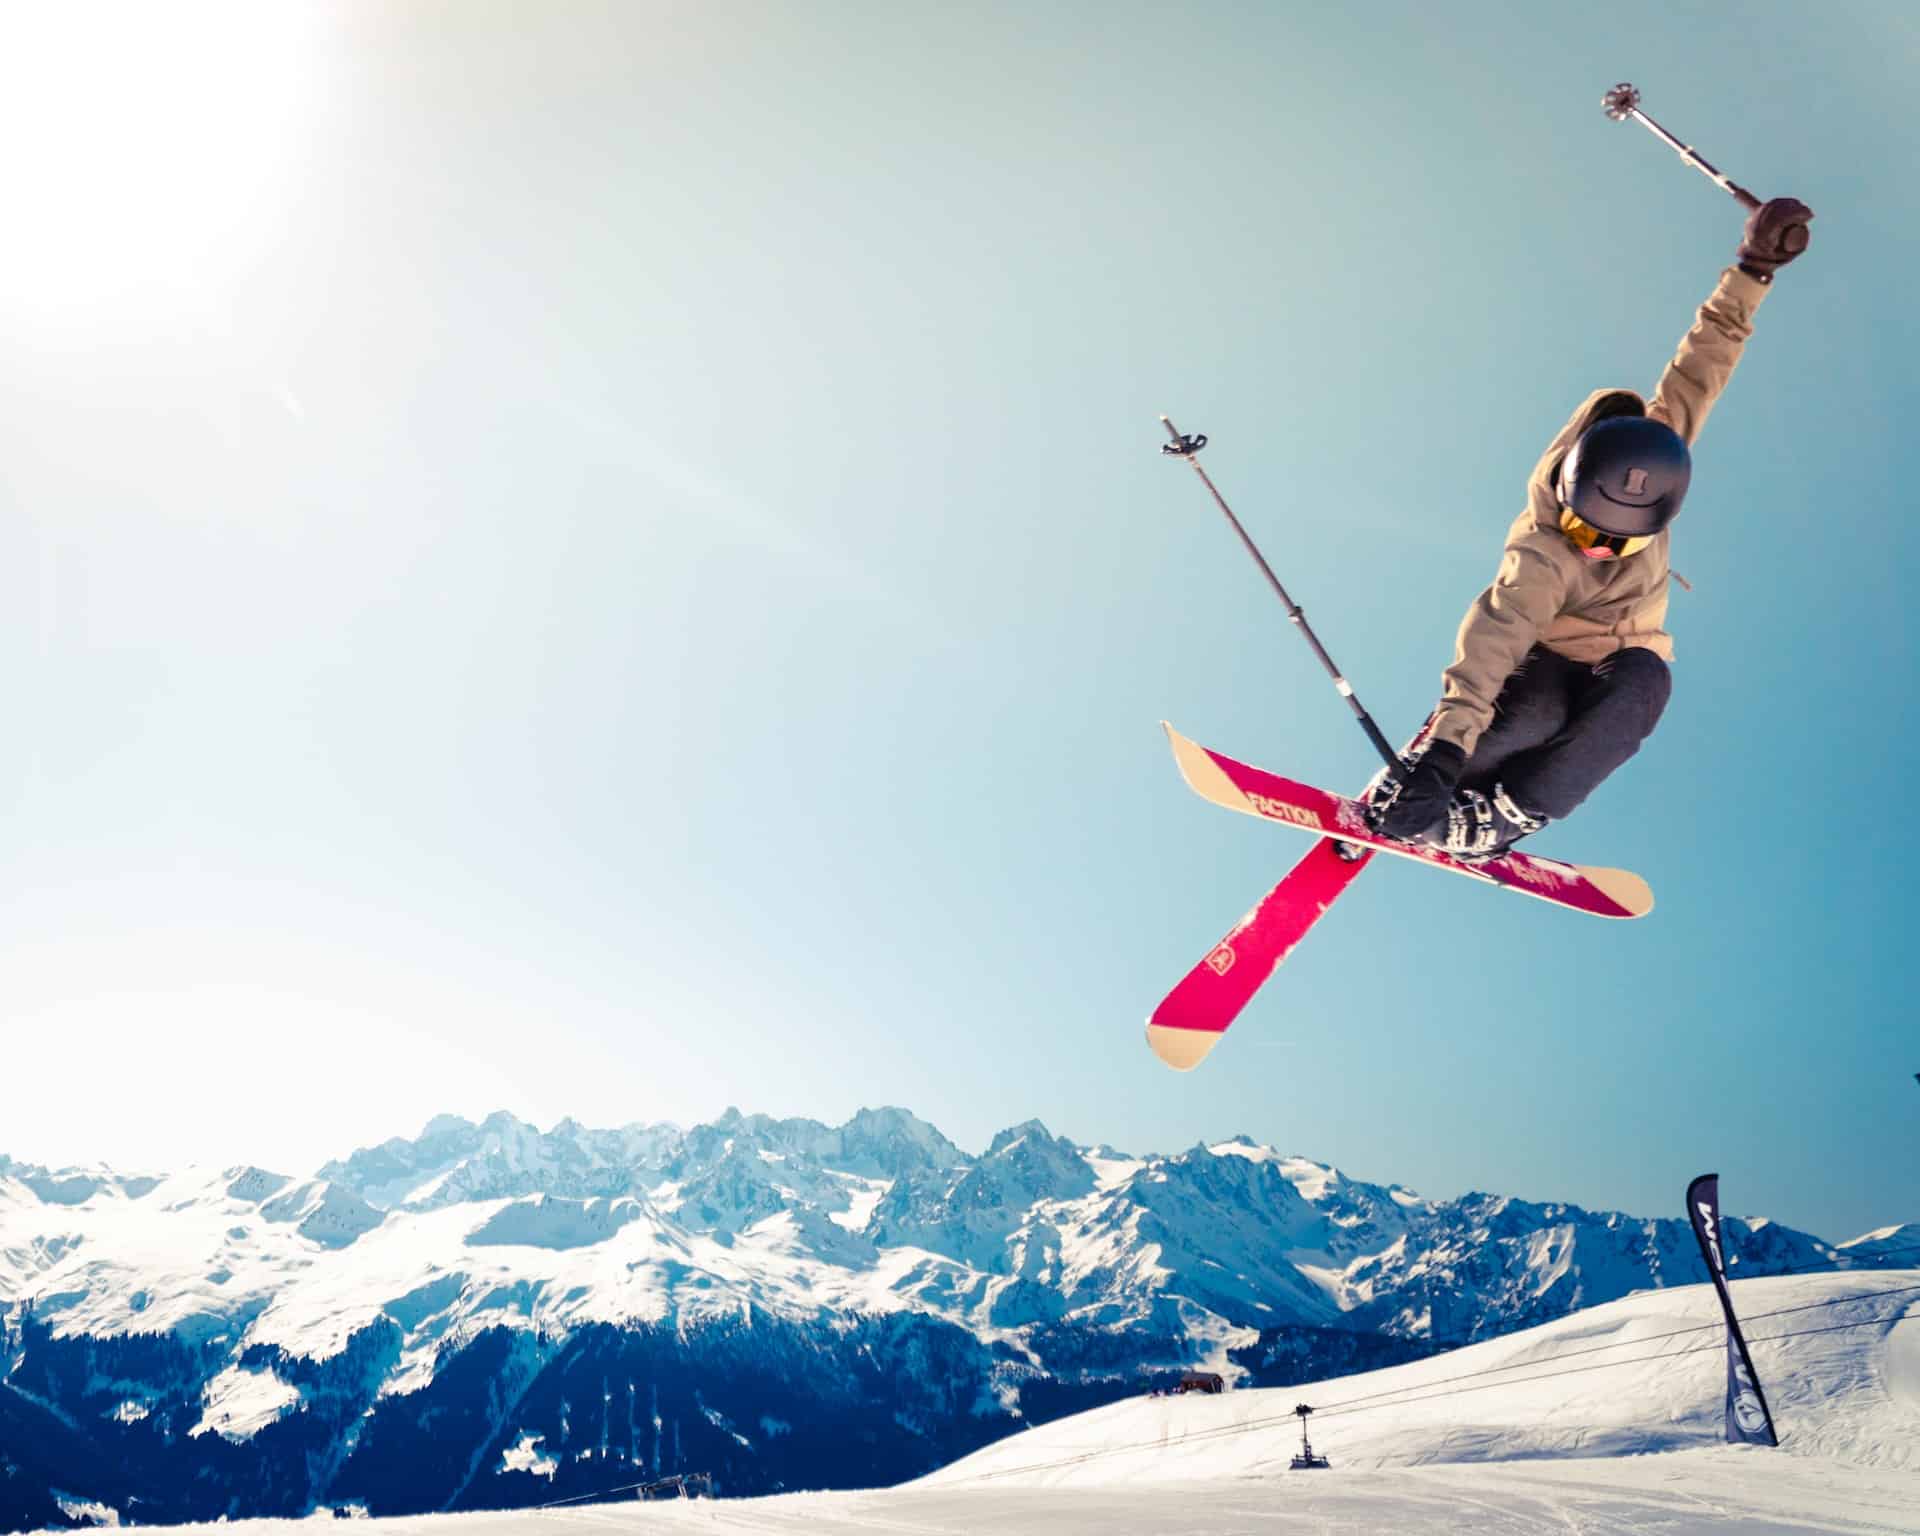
[(1425, 793), (1776, 233)]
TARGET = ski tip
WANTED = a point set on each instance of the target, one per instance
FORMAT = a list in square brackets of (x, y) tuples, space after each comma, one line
[(1204, 776), (1181, 1049), (1623, 888)]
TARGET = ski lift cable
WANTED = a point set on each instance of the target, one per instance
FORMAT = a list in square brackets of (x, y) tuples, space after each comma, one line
[(582, 1498), (1832, 1301), (607, 1493), (1848, 1261), (1425, 1389), (1846, 1265), (1653, 1338), (1363, 1405)]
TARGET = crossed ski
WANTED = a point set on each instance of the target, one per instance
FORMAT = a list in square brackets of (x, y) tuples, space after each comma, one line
[(1192, 1017)]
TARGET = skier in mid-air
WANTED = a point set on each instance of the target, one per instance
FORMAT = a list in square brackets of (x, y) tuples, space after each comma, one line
[(1561, 668)]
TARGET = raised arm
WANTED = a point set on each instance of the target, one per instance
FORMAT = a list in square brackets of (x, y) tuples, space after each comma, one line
[(1709, 351), (1705, 361)]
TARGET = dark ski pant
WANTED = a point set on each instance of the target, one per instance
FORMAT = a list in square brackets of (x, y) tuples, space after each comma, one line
[(1560, 727)]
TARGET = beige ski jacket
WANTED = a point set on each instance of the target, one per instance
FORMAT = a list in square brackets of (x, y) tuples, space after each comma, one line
[(1547, 591)]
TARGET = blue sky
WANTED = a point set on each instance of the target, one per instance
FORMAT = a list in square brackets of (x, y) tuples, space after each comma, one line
[(612, 560)]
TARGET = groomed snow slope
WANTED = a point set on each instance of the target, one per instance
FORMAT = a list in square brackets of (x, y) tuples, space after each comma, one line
[(1618, 1380), (1519, 1435)]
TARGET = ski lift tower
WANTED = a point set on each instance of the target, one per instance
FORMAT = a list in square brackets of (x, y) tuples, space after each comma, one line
[(1306, 1460)]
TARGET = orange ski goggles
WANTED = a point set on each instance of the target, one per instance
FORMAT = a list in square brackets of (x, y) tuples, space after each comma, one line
[(1595, 544)]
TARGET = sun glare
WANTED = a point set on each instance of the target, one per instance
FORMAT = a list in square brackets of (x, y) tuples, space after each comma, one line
[(146, 145)]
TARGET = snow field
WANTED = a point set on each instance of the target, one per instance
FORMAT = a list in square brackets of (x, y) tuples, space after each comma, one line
[(1551, 1427), (1691, 1493), (1617, 1380), (1606, 1423)]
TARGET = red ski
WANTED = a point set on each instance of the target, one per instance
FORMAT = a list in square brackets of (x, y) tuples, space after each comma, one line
[(1195, 1014), (1189, 1022)]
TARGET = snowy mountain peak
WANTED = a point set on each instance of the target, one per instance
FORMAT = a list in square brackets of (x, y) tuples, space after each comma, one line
[(882, 1211), (1014, 1134), (503, 1157), (441, 1274), (903, 1128), (75, 1186), (254, 1185), (1902, 1240), (328, 1214)]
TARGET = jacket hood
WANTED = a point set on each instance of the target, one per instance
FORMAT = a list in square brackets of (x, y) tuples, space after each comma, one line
[(1601, 405)]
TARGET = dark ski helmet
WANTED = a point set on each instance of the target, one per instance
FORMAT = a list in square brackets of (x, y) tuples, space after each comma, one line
[(1626, 477)]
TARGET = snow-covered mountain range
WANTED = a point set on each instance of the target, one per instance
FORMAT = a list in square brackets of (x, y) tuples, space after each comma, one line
[(489, 1314)]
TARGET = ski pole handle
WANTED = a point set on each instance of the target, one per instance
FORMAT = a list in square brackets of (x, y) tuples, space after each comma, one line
[(1623, 102)]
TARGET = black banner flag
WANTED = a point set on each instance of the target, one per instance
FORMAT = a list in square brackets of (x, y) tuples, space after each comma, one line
[(1748, 1421)]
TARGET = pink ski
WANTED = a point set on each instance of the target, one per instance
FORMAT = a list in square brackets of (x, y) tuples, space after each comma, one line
[(1240, 787), (1192, 1017), (1195, 1014)]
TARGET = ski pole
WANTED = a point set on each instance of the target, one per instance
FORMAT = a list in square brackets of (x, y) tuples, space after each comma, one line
[(1184, 447), (1623, 102)]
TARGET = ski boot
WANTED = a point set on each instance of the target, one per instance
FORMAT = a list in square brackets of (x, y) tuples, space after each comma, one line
[(1381, 791), (1384, 788), (1480, 826)]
